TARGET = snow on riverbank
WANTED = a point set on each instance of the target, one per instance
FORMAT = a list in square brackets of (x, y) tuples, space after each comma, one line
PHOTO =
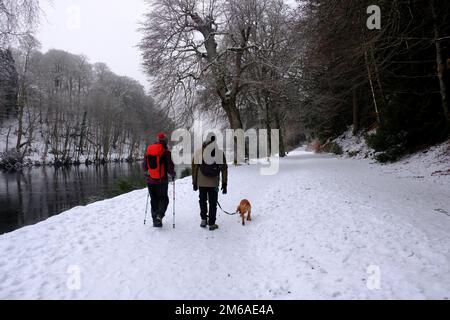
[(36, 154), (323, 228)]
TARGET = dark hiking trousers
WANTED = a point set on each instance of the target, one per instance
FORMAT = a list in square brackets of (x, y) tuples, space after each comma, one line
[(210, 195), (159, 199)]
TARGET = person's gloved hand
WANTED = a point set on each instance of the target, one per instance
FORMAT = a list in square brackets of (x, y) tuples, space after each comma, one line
[(195, 187), (224, 189)]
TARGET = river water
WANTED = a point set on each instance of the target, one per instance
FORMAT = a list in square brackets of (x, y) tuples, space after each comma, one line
[(36, 194)]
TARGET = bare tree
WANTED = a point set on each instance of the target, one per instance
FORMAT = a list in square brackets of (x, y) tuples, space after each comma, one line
[(28, 45), (77, 111), (193, 45), (8, 85), (17, 18)]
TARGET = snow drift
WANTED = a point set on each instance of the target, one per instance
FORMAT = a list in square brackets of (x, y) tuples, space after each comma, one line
[(323, 228)]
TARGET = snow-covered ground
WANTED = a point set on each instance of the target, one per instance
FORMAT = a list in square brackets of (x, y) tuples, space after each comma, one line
[(354, 146), (430, 164), (324, 227)]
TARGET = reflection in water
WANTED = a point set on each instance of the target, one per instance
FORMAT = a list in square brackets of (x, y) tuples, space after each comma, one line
[(36, 194)]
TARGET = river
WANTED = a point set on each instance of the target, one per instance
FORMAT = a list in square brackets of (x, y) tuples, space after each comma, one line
[(36, 194)]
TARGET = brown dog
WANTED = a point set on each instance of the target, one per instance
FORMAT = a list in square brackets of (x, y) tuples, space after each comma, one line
[(245, 208)]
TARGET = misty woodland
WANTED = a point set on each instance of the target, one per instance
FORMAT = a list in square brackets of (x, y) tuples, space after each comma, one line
[(310, 69)]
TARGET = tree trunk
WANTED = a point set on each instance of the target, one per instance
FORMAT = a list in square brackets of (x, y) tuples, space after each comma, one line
[(20, 119), (378, 80), (7, 138), (30, 137), (44, 154), (370, 76), (234, 117), (66, 144), (440, 64), (22, 100), (55, 144), (268, 126), (282, 142), (131, 151), (82, 133), (355, 112), (228, 97), (372, 88)]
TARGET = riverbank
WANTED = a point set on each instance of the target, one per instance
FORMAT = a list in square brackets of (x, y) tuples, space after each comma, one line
[(324, 228), (40, 153), (11, 163), (34, 194)]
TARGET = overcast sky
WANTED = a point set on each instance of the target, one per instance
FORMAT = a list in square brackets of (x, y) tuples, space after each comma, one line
[(103, 30)]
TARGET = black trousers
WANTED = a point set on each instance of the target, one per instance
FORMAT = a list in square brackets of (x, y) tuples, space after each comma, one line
[(210, 195), (159, 199)]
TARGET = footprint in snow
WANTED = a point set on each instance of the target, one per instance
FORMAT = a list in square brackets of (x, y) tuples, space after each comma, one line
[(442, 211)]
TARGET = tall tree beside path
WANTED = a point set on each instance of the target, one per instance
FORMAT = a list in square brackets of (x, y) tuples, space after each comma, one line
[(195, 45)]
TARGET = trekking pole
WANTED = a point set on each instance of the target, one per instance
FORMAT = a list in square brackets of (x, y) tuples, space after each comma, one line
[(174, 203), (146, 209)]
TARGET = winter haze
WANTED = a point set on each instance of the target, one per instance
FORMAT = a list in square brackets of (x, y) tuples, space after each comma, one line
[(103, 30)]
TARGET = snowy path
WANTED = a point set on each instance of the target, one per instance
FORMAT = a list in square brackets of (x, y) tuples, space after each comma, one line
[(318, 225)]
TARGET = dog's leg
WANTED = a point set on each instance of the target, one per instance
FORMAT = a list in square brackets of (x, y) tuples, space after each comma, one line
[(243, 219), (249, 215)]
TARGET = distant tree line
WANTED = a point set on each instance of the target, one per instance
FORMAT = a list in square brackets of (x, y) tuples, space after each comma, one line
[(58, 104), (62, 108), (9, 84), (310, 71)]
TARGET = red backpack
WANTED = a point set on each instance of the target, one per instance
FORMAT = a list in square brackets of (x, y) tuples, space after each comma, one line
[(156, 167)]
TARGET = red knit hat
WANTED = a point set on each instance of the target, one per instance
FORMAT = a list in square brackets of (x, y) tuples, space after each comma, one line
[(162, 136)]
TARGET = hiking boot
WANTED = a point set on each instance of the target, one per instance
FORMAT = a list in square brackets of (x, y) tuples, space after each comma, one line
[(158, 223), (204, 224), (213, 227)]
